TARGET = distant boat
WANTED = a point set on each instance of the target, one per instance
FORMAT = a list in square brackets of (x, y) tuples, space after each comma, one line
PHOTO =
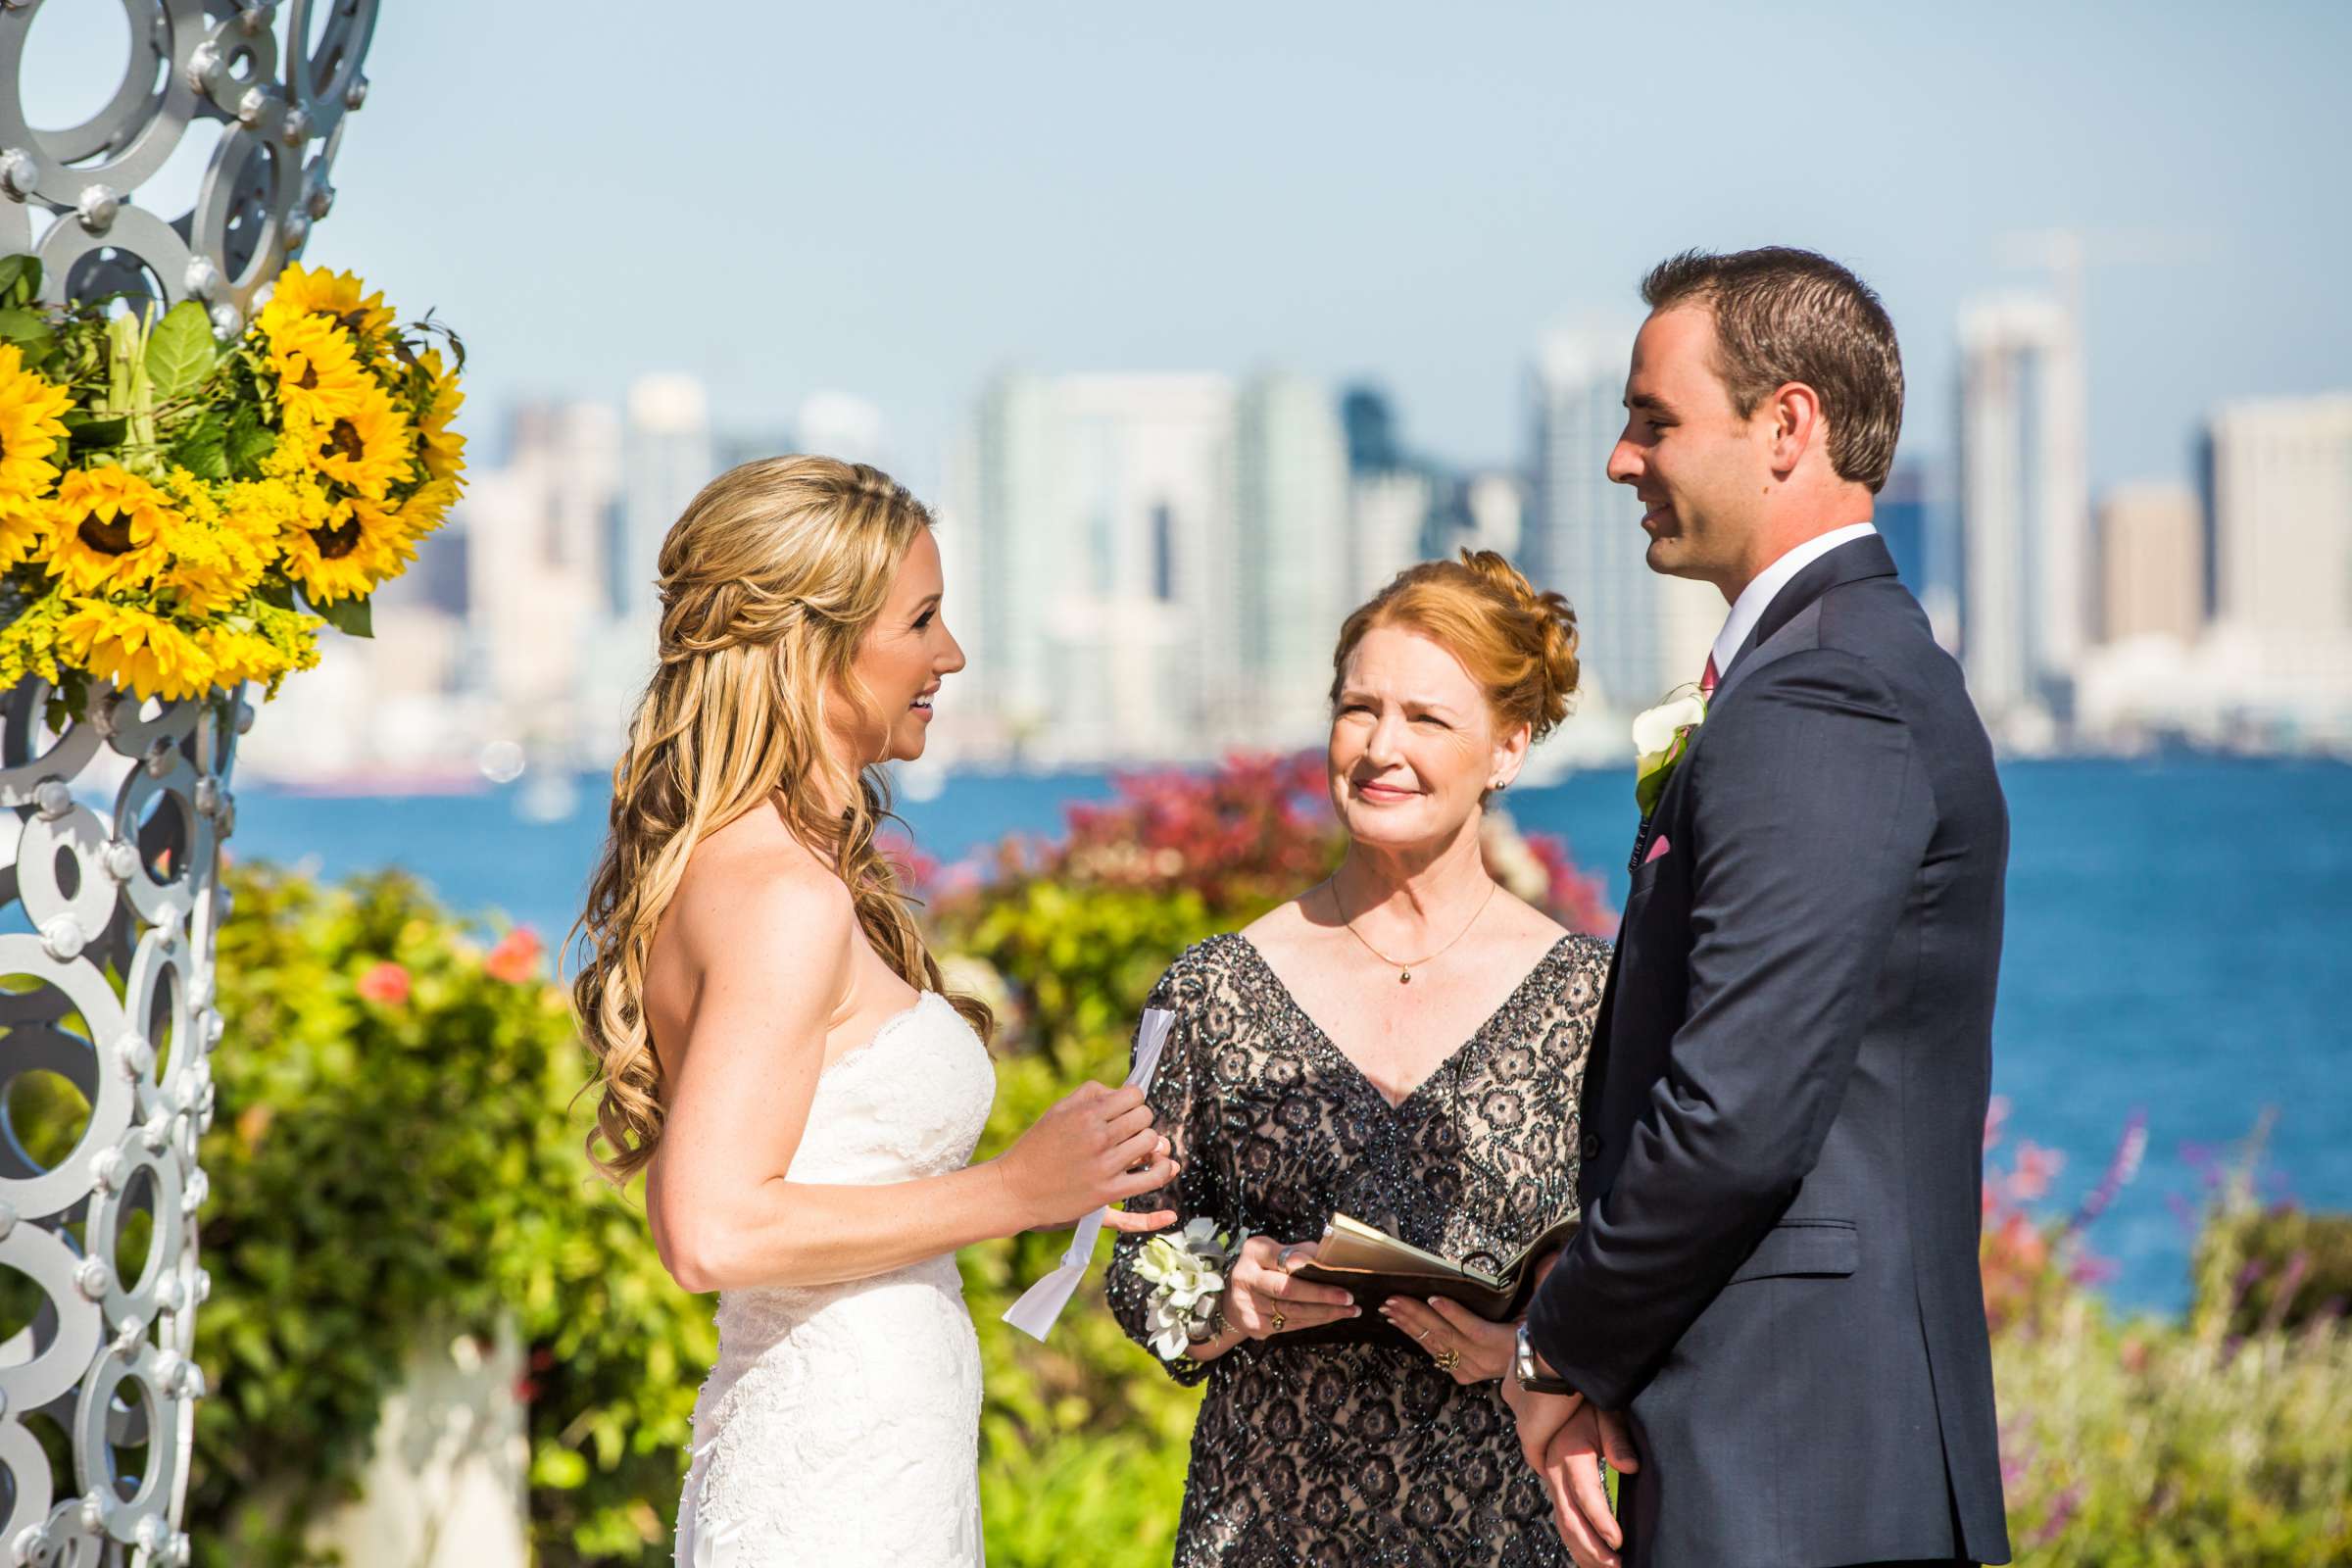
[(386, 781), (921, 780), (548, 795)]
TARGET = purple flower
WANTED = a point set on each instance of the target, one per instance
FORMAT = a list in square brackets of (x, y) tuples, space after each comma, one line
[(2062, 1514)]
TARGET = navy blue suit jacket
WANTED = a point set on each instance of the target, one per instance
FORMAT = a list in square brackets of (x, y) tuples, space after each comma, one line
[(1785, 1109)]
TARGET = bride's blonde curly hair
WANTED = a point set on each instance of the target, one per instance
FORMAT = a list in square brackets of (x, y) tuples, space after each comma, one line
[(768, 582)]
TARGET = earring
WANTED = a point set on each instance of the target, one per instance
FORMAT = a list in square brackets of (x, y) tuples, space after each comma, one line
[(1500, 785)]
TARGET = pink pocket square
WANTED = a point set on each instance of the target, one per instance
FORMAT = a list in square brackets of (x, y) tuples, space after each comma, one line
[(1658, 849)]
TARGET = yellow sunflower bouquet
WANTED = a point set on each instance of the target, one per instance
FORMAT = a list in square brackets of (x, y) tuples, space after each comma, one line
[(177, 514)]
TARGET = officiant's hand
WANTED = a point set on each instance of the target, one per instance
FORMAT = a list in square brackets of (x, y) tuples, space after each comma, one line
[(1095, 1146), (1465, 1346), (1262, 1298)]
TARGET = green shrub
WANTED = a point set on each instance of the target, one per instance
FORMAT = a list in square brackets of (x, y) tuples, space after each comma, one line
[(393, 1155), (2146, 1447), (2294, 1268)]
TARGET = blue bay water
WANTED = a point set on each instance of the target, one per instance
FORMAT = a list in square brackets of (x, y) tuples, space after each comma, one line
[(2178, 934)]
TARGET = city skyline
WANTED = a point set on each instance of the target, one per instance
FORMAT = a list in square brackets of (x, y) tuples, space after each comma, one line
[(1148, 565), (1350, 192)]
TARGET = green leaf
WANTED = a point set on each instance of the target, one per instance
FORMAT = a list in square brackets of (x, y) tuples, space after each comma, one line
[(203, 447), (351, 616), (19, 279), (247, 442), (95, 434), (28, 328), (180, 352)]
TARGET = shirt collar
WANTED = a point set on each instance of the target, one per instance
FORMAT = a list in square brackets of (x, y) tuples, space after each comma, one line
[(1758, 595)]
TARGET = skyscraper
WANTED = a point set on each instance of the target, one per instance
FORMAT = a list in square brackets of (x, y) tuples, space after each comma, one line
[(2151, 563), (1388, 512), (1914, 514), (1642, 633), (1290, 512), (839, 424), (668, 458), (2026, 599), (538, 532), (1370, 420), (2281, 495), (1106, 545)]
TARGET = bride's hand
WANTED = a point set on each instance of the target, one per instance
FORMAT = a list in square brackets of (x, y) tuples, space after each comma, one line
[(1263, 1299), (1095, 1146)]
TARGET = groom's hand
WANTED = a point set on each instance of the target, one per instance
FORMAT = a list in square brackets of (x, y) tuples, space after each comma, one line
[(1541, 1417), (1580, 1500)]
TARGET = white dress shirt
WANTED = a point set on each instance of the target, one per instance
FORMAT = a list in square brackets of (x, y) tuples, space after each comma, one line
[(1757, 596)]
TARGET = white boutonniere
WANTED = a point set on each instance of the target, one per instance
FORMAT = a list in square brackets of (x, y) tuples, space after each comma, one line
[(1188, 1274), (1662, 735)]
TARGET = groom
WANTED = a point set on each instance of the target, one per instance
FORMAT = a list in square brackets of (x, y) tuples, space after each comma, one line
[(1773, 1316)]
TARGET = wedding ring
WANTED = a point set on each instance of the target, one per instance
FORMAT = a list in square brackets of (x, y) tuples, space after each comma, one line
[(1449, 1358), (1278, 1320)]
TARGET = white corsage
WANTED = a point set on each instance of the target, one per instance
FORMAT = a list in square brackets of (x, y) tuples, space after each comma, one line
[(1662, 735), (1187, 1272)]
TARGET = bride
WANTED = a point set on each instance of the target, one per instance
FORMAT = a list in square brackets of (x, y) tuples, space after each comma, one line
[(775, 1047)]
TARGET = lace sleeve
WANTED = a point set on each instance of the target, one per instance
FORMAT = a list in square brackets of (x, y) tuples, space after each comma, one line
[(1183, 1102)]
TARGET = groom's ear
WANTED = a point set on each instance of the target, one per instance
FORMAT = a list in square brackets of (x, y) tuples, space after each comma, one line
[(1794, 424)]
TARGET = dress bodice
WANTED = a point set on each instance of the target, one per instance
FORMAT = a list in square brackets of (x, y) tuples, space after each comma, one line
[(909, 1102)]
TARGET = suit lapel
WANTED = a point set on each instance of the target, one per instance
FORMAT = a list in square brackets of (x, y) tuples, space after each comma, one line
[(1848, 562)]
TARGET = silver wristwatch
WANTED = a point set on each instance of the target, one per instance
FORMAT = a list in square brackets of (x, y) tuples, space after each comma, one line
[(1523, 1367)]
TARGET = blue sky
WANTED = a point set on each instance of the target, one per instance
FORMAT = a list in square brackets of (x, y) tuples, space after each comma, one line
[(895, 200)]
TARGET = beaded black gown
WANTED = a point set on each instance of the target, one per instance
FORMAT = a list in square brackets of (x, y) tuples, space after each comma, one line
[(1362, 1454)]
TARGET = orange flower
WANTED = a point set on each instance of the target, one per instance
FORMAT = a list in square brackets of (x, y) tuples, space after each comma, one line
[(515, 959), (385, 983)]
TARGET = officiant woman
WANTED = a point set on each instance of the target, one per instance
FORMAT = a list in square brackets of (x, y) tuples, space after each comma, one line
[(1403, 1043)]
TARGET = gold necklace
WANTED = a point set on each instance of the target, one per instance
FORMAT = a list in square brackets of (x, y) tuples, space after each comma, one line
[(1404, 972)]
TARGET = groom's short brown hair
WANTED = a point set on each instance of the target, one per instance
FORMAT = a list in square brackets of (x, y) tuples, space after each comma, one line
[(1784, 314)]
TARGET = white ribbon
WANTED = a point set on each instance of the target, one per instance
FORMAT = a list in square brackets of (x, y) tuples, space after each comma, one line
[(1033, 1313), (716, 1548)]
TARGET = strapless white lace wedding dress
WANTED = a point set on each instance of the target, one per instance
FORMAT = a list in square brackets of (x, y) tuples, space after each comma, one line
[(841, 1425)]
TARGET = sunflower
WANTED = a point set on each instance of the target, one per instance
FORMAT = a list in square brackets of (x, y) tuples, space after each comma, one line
[(217, 560), (138, 650), (309, 292), (319, 375), (359, 544), (441, 448), (426, 509), (365, 450), (108, 526), (30, 430)]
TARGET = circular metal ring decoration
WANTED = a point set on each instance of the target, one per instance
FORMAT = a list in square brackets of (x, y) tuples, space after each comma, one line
[(105, 1032), (110, 896), (272, 81)]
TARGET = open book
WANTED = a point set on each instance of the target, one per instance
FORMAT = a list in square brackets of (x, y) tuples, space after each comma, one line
[(1373, 1265)]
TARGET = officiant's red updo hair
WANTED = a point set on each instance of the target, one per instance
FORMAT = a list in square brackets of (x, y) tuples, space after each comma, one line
[(1518, 644)]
